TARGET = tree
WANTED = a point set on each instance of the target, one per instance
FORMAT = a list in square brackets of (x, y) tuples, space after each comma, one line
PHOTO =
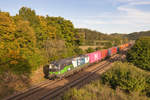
[(89, 50), (55, 49), (139, 54), (18, 50), (64, 29), (7, 30), (29, 15), (25, 35)]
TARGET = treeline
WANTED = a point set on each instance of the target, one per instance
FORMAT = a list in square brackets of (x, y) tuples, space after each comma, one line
[(139, 54), (136, 35), (91, 37), (28, 40)]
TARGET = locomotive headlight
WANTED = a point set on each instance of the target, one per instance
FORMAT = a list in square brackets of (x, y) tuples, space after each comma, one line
[(56, 67), (50, 66)]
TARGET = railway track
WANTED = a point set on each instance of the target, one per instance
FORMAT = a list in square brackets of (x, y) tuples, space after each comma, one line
[(76, 83), (54, 93), (50, 89), (30, 91)]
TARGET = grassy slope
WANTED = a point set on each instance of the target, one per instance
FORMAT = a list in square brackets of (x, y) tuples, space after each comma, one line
[(10, 83), (99, 91)]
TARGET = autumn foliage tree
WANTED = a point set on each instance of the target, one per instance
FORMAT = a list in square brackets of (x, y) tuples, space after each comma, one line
[(17, 46), (7, 44), (28, 40)]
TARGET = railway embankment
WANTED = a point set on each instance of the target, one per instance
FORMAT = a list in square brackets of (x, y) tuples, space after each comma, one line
[(123, 81), (55, 88)]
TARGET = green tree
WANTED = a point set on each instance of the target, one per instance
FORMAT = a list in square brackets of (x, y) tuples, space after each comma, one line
[(126, 77), (89, 50), (139, 54), (78, 51), (29, 15), (64, 29)]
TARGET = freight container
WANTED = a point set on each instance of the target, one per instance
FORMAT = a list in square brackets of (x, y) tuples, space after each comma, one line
[(121, 47), (112, 51), (74, 62), (104, 53), (95, 56), (117, 49), (80, 61), (109, 51), (86, 59)]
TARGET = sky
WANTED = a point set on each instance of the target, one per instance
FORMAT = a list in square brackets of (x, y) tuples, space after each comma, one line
[(107, 16)]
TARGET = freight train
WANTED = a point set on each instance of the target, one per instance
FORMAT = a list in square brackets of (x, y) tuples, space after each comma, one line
[(68, 66)]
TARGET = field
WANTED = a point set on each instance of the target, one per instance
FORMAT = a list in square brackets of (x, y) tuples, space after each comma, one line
[(86, 47)]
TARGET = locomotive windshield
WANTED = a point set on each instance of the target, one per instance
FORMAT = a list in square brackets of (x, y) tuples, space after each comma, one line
[(53, 67), (58, 65)]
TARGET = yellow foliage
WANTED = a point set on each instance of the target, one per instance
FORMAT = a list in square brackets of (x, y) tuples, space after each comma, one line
[(14, 62)]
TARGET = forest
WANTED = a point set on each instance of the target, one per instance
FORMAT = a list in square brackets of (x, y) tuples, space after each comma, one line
[(29, 40)]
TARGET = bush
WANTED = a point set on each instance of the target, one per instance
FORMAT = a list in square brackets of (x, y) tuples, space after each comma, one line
[(130, 83), (125, 76), (89, 50), (98, 48), (139, 54), (78, 51), (21, 62), (97, 91)]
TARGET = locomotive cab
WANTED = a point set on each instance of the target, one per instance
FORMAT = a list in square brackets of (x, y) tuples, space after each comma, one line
[(47, 69)]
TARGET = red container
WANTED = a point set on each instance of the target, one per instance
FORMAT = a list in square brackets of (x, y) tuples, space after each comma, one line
[(113, 50), (121, 47), (104, 53), (94, 56)]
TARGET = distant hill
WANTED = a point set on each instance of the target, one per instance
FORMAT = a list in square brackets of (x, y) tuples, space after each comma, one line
[(92, 37), (136, 35), (95, 35)]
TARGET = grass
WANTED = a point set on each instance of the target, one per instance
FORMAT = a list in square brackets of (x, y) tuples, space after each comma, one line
[(97, 91), (11, 83)]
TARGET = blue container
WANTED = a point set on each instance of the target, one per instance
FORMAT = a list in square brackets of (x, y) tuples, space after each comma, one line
[(80, 61), (117, 49), (109, 52)]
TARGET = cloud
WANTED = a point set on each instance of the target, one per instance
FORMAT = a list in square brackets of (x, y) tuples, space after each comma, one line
[(135, 15), (135, 2), (126, 18), (140, 3), (127, 0)]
